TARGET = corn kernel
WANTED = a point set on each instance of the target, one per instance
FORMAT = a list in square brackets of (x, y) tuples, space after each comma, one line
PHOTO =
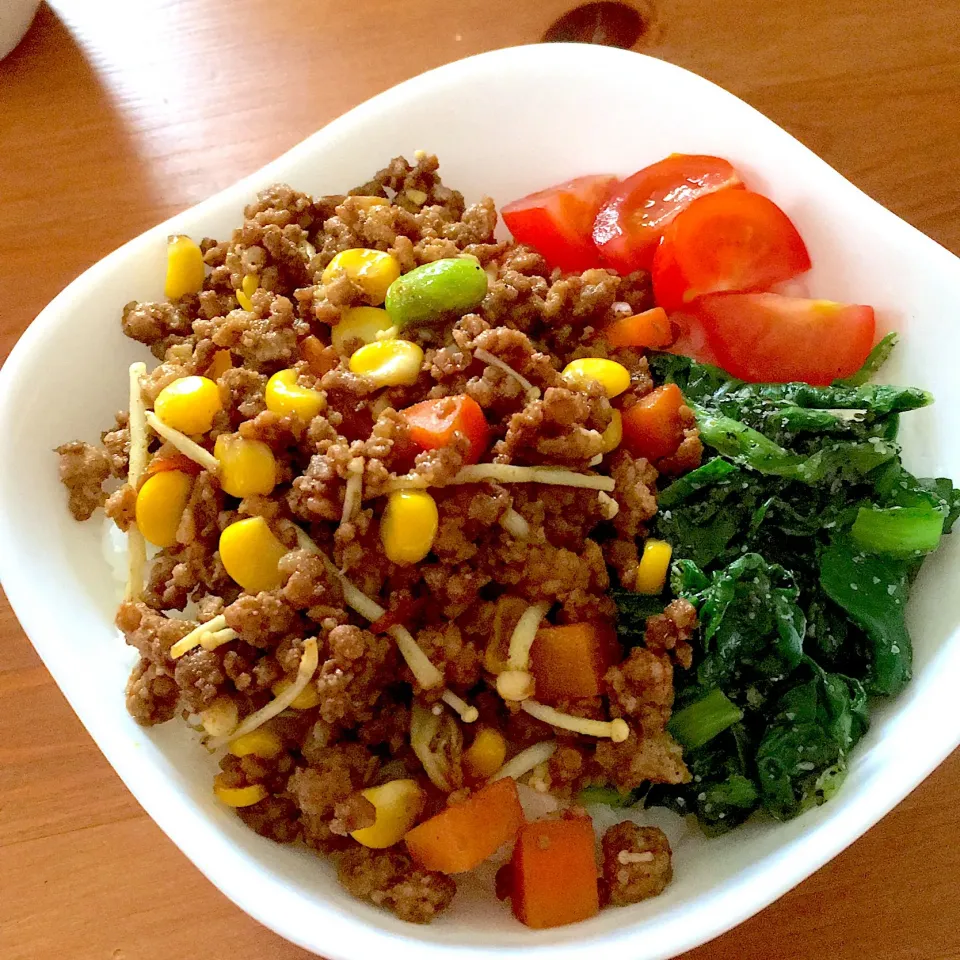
[(247, 289), (238, 796), (360, 323), (188, 404), (306, 699), (408, 525), (366, 203), (398, 804), (184, 267), (251, 554), (485, 756), (285, 396), (222, 362), (613, 434), (160, 505), (371, 270), (652, 571), (612, 376), (247, 467), (220, 718), (389, 363), (258, 743)]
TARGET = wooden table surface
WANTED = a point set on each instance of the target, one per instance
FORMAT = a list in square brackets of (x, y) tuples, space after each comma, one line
[(114, 114)]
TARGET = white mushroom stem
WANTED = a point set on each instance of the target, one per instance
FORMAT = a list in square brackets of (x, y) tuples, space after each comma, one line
[(183, 443), (427, 675), (196, 635), (515, 524), (467, 713), (526, 760), (509, 473), (609, 506), (308, 667), (352, 495), (615, 730), (210, 641), (533, 393), (524, 633)]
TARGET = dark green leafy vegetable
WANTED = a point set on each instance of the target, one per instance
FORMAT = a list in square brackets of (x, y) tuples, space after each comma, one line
[(797, 540), (807, 742), (873, 590)]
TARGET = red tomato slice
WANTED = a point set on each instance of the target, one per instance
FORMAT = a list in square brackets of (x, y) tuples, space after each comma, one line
[(433, 424), (557, 222), (733, 241), (767, 338), (631, 222)]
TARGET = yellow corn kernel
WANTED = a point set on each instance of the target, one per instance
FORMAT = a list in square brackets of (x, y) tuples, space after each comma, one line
[(188, 404), (251, 554), (160, 505), (612, 376), (220, 718), (398, 804), (247, 289), (360, 323), (652, 571), (258, 743), (371, 270), (389, 363), (408, 525), (247, 467), (306, 699), (613, 434), (285, 396), (485, 756), (238, 796), (222, 362), (184, 267), (365, 203)]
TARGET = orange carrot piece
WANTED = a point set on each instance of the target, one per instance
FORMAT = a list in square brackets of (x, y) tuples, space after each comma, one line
[(176, 461), (555, 873), (651, 329), (569, 662), (320, 359), (463, 836), (652, 427)]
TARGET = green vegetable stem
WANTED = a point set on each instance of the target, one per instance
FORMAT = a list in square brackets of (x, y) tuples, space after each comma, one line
[(702, 720)]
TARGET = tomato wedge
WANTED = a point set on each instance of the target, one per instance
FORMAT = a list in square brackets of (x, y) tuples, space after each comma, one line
[(631, 222), (767, 338), (733, 241), (557, 222), (434, 423)]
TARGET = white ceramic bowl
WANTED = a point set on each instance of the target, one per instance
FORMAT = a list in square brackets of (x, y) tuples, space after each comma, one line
[(503, 123)]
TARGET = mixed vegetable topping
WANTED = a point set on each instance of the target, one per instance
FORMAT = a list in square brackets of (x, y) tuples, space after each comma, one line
[(388, 468)]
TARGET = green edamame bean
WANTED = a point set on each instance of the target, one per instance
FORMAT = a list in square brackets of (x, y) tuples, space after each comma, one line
[(436, 290)]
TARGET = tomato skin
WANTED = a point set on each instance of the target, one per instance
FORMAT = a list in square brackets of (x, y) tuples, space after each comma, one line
[(768, 338), (558, 222), (638, 210), (652, 427), (433, 424), (734, 241)]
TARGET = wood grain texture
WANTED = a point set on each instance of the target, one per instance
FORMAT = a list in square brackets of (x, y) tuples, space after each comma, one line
[(114, 114)]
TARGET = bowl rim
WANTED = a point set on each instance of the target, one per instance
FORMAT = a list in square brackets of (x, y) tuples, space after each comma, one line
[(749, 892)]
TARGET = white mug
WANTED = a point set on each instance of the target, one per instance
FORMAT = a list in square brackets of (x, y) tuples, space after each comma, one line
[(15, 19)]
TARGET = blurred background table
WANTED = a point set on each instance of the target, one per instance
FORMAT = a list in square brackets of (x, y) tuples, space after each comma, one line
[(114, 114)]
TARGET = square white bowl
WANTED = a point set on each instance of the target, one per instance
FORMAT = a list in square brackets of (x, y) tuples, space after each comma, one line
[(503, 124)]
